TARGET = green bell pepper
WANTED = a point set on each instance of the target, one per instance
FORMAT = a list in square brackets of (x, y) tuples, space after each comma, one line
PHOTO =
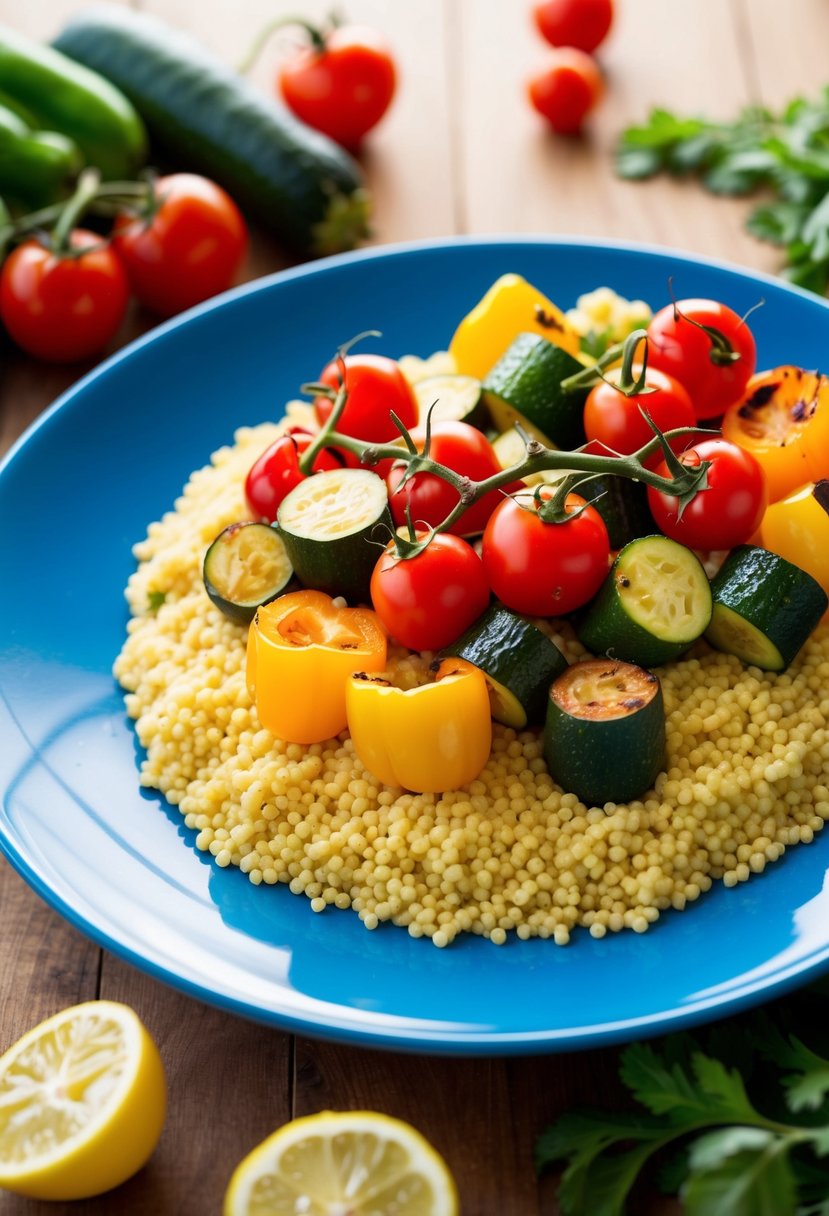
[(36, 167), (59, 95)]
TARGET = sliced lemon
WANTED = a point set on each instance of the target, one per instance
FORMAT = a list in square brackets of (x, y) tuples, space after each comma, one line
[(82, 1103), (345, 1163)]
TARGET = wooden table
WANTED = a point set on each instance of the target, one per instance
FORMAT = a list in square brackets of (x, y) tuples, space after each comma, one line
[(461, 152)]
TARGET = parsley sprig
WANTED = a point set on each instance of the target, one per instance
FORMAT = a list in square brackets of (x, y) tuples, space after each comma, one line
[(786, 155), (723, 1151)]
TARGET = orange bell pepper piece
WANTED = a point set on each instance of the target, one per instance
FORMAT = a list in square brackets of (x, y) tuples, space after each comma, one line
[(428, 739), (302, 649)]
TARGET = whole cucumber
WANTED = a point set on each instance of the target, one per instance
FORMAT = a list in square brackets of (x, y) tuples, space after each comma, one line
[(209, 119), (64, 96)]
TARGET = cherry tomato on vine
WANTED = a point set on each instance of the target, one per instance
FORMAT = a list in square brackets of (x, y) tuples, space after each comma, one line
[(63, 307), (702, 362), (725, 514), (567, 89), (580, 23), (465, 450), (616, 421), (545, 569), (427, 601), (342, 84), (376, 387), (273, 474), (187, 249)]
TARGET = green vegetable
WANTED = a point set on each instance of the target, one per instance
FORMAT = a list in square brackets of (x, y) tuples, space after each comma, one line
[(57, 94), (450, 399), (654, 603), (764, 608), (298, 182), (519, 662), (723, 1154), (246, 566), (604, 738), (329, 523), (36, 167), (622, 504), (524, 386), (786, 154)]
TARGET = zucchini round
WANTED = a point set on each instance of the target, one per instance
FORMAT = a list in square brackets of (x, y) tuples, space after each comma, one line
[(604, 738), (245, 567), (654, 603), (329, 523), (210, 119), (525, 386), (451, 399), (519, 662), (764, 608)]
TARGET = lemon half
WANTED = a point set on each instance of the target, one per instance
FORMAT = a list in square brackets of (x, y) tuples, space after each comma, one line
[(82, 1103), (345, 1163)]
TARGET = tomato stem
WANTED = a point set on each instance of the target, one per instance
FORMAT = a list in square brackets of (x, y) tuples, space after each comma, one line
[(316, 35), (73, 209)]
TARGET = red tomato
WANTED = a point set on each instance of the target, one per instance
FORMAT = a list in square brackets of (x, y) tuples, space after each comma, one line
[(678, 346), (545, 569), (376, 387), (342, 84), (567, 90), (726, 514), (580, 23), (426, 602), (467, 451), (189, 249), (616, 421), (63, 307), (275, 473)]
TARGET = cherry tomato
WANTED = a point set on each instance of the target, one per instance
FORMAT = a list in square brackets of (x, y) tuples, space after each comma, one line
[(728, 512), (275, 473), (567, 90), (462, 448), (678, 346), (342, 84), (63, 307), (616, 421), (580, 23), (189, 249), (545, 569), (426, 602), (376, 387)]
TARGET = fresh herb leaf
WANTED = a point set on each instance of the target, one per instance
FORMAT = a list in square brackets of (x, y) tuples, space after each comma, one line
[(751, 1181), (155, 599)]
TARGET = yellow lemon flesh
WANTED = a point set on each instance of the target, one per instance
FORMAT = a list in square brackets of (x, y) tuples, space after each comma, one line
[(82, 1103), (346, 1163)]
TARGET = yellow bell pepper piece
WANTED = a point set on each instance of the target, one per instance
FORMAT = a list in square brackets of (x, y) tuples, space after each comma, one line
[(427, 739), (302, 649), (512, 306)]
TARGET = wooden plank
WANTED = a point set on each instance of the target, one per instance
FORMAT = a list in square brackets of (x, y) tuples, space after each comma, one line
[(519, 177)]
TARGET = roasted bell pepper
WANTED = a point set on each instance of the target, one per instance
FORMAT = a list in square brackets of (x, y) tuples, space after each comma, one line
[(428, 739), (36, 167), (512, 306), (797, 528), (302, 649), (63, 96)]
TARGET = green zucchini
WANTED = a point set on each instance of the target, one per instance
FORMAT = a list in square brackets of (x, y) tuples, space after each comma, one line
[(622, 504), (246, 566), (604, 738), (525, 386), (519, 662), (654, 603), (764, 608), (209, 119), (451, 399), (329, 523)]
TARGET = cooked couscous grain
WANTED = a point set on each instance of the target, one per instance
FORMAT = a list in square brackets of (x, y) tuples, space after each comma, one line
[(746, 774)]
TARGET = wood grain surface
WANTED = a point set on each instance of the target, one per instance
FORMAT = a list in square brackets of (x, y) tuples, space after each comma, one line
[(461, 151)]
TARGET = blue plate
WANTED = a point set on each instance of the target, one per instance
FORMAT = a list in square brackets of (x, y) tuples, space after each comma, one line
[(112, 455)]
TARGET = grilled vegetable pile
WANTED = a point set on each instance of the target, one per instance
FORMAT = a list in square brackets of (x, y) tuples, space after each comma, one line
[(380, 501)]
